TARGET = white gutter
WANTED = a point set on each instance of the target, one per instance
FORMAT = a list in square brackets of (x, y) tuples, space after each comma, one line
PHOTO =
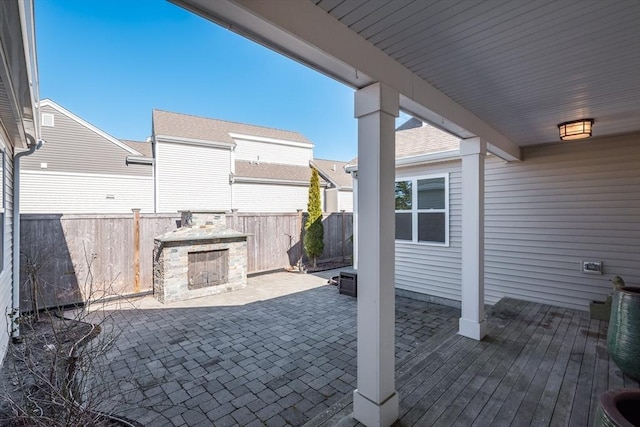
[(15, 289)]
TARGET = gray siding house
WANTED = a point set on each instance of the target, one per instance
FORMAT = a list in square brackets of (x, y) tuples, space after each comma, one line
[(537, 232), (19, 133), (82, 169)]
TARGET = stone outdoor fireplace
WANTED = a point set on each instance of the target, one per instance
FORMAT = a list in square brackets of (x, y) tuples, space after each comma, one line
[(203, 257)]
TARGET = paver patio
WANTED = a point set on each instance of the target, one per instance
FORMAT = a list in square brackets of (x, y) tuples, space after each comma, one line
[(278, 361)]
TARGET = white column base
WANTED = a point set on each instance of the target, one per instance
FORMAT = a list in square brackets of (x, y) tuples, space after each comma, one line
[(473, 329), (372, 414)]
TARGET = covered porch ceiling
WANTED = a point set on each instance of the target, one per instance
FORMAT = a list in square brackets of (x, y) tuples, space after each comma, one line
[(507, 72)]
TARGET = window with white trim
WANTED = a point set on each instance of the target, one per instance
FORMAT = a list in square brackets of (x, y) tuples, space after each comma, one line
[(422, 209)]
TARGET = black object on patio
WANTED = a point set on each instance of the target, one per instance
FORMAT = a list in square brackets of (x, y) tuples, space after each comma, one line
[(348, 283)]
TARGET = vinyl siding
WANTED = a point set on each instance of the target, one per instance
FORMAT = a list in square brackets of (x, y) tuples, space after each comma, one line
[(192, 177), (271, 198), (72, 147), (6, 280), (430, 269), (345, 201), (563, 204), (81, 194), (272, 153)]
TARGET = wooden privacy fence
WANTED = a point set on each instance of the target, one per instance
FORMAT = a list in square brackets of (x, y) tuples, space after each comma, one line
[(71, 258)]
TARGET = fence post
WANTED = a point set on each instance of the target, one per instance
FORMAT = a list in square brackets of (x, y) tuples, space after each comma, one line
[(234, 213), (299, 228), (136, 250), (343, 233)]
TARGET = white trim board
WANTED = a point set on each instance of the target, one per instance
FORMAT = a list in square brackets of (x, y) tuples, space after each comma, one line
[(271, 140), (167, 139), (91, 175)]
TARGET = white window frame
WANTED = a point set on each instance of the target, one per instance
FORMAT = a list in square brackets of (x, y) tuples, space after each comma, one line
[(415, 211)]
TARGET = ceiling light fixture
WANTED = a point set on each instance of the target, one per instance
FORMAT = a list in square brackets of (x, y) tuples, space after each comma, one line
[(576, 129)]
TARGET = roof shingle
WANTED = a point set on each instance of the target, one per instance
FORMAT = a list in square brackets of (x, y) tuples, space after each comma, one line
[(194, 127), (273, 171), (334, 171)]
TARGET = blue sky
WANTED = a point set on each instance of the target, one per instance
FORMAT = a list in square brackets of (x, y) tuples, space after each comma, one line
[(112, 61)]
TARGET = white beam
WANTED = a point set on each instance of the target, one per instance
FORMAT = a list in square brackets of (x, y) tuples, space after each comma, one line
[(375, 402), (472, 322), (306, 33)]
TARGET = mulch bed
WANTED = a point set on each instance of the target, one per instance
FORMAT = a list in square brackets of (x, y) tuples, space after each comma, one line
[(34, 380)]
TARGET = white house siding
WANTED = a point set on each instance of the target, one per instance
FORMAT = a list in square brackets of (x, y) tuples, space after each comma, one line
[(272, 153), (253, 197), (84, 193), (563, 204), (345, 200), (430, 269), (6, 276), (192, 177)]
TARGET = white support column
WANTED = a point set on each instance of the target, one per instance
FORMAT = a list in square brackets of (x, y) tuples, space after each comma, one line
[(375, 401), (472, 322), (354, 176)]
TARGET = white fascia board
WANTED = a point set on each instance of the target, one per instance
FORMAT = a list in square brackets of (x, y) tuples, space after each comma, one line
[(421, 159), (69, 114), (193, 141), (270, 140), (248, 180), (27, 22), (85, 175), (303, 31)]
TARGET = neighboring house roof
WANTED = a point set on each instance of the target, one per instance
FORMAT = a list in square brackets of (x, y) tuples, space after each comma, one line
[(333, 171), (415, 138), (180, 125), (423, 139), (142, 147), (269, 172)]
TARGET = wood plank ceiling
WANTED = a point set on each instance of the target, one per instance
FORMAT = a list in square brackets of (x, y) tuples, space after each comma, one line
[(521, 66)]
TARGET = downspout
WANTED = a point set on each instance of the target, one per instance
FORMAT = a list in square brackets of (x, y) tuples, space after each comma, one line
[(15, 289)]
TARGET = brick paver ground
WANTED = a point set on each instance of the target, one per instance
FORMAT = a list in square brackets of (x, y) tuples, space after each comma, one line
[(275, 362)]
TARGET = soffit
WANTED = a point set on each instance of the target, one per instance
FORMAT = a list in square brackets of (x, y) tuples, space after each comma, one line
[(522, 67)]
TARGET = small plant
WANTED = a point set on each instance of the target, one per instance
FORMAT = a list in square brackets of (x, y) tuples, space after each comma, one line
[(314, 230)]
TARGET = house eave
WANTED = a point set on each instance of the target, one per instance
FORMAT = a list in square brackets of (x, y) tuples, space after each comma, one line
[(192, 141), (251, 180), (303, 31)]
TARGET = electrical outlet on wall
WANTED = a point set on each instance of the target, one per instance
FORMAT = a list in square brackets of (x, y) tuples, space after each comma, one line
[(592, 267)]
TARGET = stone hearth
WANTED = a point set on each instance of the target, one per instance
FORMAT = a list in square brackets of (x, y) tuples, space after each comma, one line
[(203, 257)]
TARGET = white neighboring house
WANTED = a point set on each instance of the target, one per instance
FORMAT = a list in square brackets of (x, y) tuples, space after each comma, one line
[(189, 163), (19, 136), (204, 163), (82, 169), (537, 232)]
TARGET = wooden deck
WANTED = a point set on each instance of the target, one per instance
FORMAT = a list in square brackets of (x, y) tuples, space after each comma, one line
[(539, 365)]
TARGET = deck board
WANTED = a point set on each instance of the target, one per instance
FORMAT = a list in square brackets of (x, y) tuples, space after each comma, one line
[(462, 390), (560, 324), (547, 401), (539, 365)]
